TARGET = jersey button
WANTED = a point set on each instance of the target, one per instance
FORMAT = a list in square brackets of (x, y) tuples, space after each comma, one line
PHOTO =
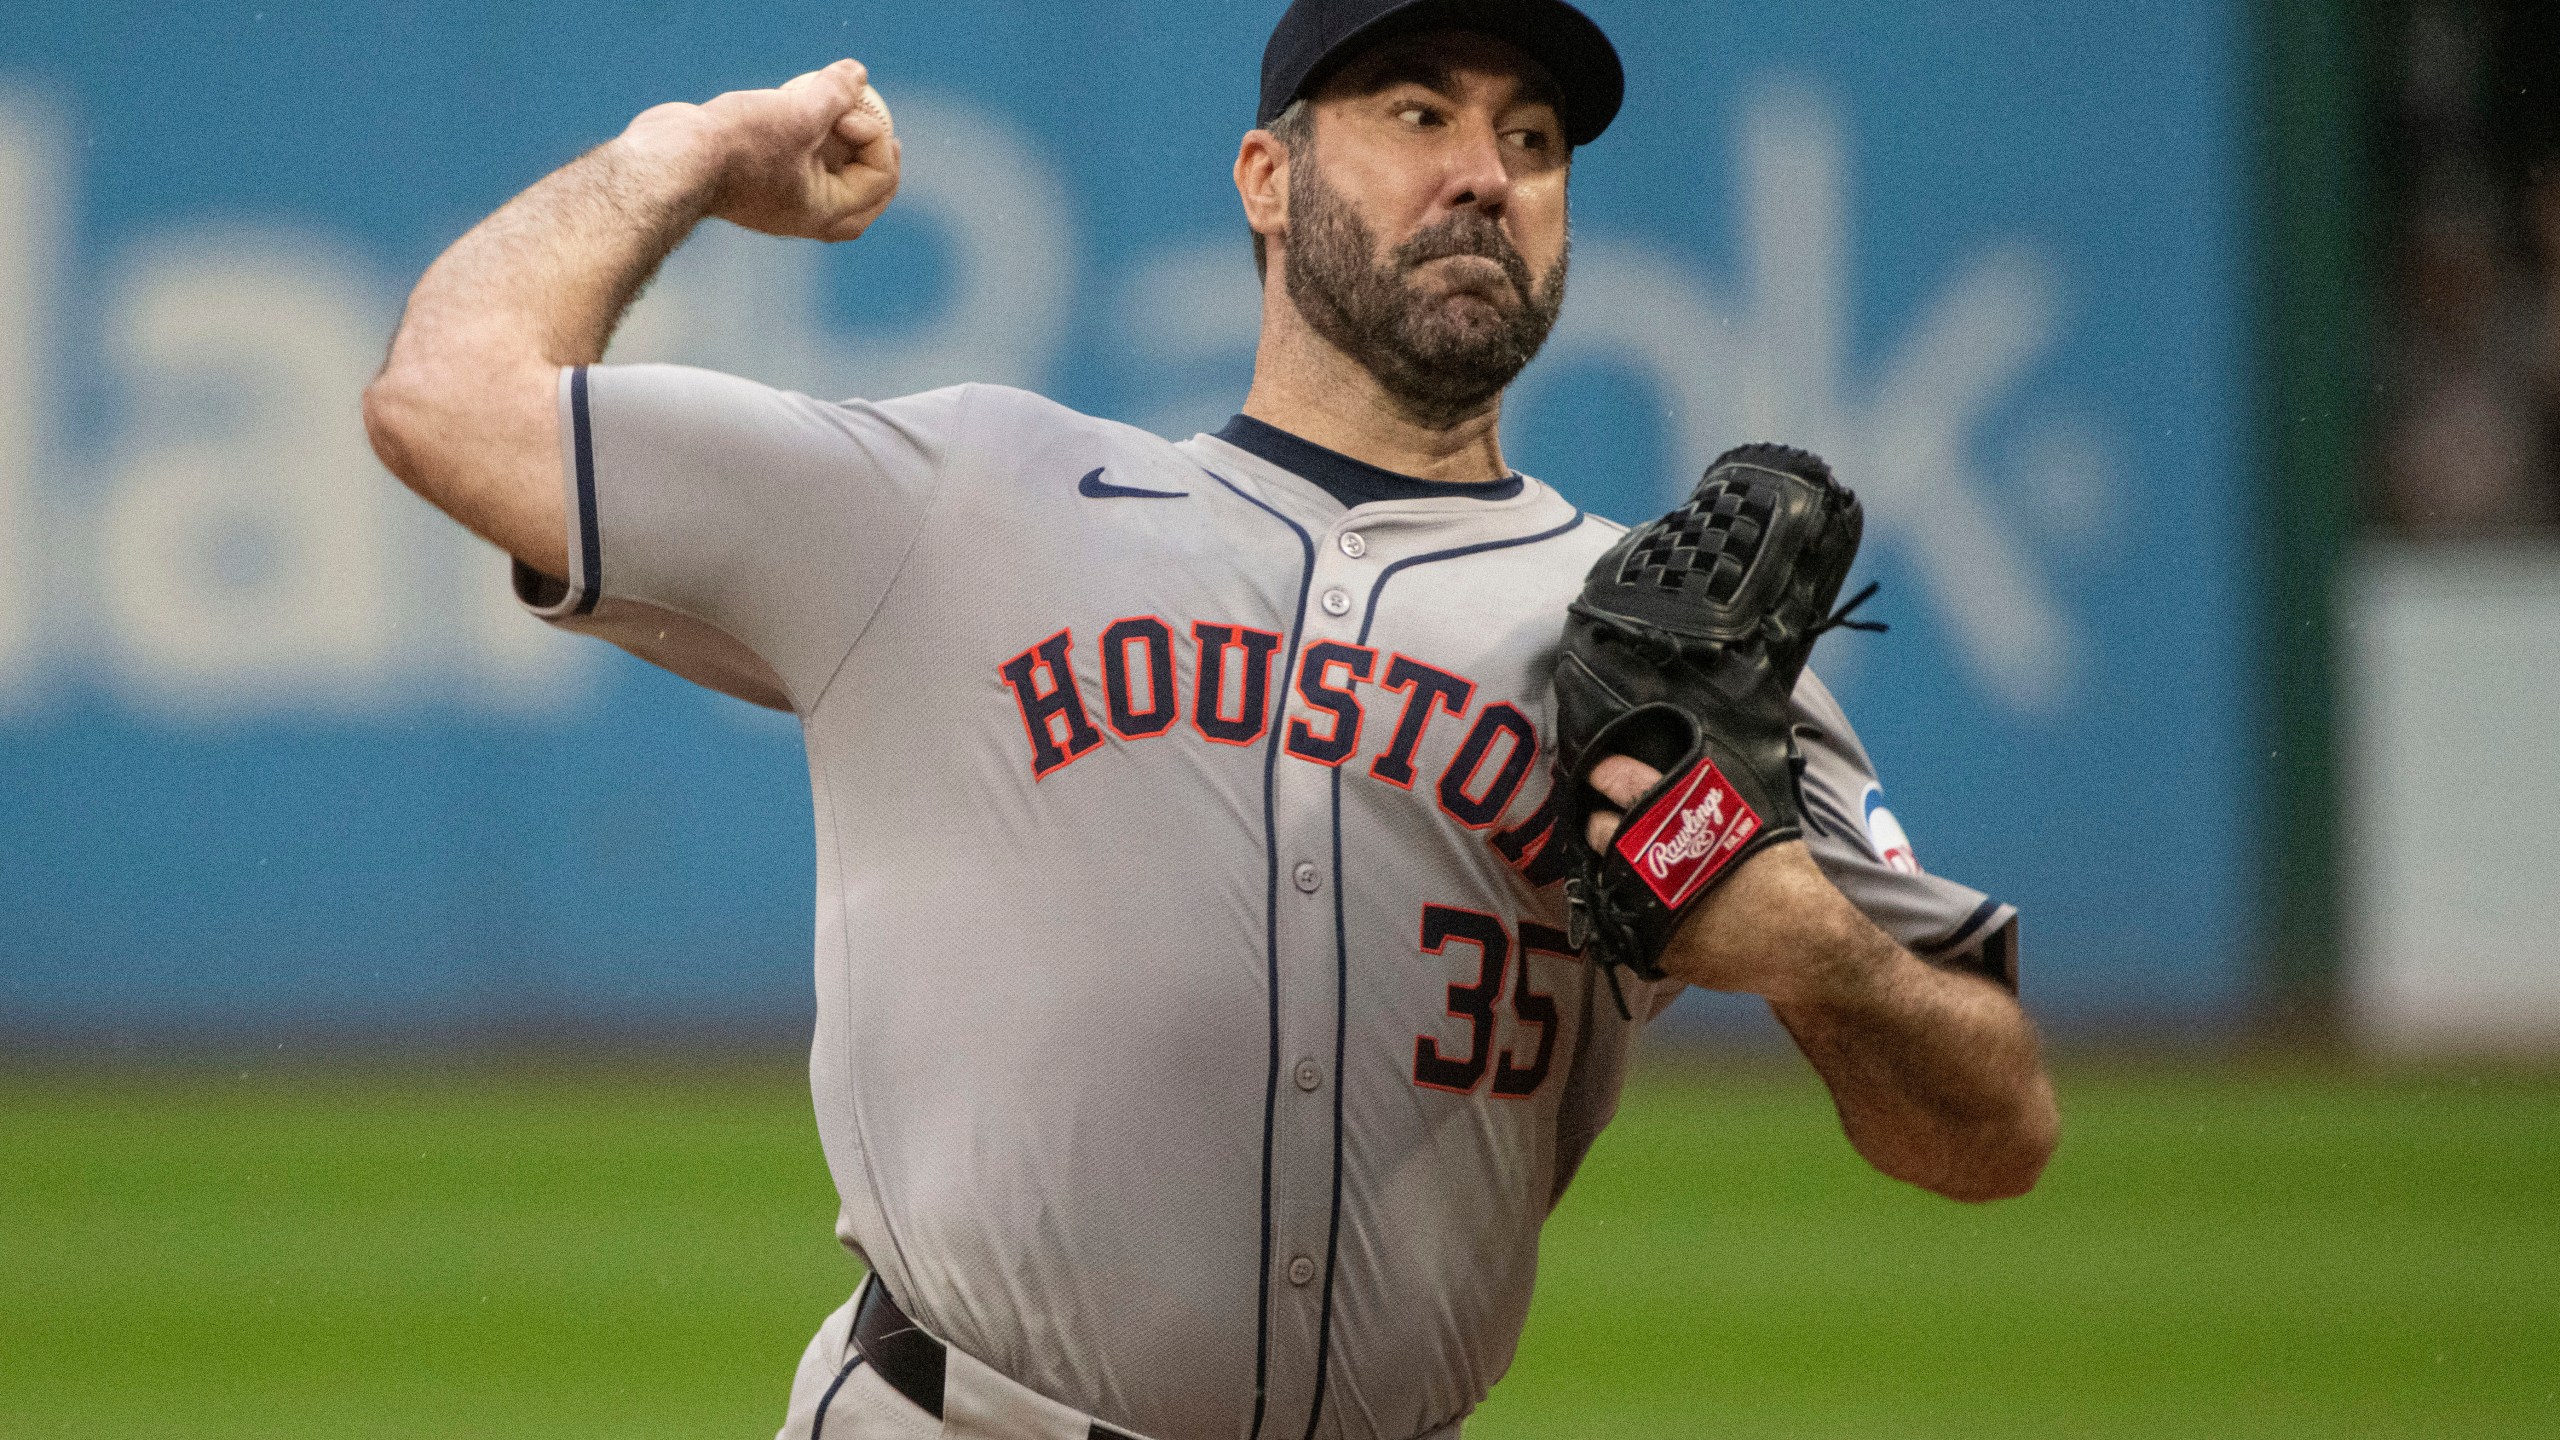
[(1310, 1075), (1353, 545), (1307, 876), (1301, 1270), (1337, 601)]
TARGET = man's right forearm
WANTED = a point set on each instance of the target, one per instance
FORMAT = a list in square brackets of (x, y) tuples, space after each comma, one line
[(463, 410)]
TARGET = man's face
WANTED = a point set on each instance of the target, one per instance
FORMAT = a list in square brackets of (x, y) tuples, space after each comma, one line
[(1427, 229)]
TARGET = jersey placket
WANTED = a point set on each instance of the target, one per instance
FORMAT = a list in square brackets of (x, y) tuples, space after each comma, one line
[(1307, 1103)]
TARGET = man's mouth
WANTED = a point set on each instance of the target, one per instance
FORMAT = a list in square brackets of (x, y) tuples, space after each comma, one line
[(1478, 275)]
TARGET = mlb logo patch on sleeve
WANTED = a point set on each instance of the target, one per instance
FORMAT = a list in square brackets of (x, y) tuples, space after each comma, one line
[(1886, 833), (1690, 836)]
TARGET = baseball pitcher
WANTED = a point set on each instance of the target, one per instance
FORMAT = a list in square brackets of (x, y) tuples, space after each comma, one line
[(1238, 889)]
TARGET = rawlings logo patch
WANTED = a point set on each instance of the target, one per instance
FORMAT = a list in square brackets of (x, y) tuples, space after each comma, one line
[(1689, 837)]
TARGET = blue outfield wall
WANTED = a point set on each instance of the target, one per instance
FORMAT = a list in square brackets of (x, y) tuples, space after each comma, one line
[(277, 756)]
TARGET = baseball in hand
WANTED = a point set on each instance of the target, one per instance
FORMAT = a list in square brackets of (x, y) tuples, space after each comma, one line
[(870, 100)]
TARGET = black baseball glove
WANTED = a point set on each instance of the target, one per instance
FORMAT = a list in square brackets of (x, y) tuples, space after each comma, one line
[(1683, 652)]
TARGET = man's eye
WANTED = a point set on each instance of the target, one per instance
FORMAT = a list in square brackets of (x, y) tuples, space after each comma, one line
[(1529, 139), (1417, 114)]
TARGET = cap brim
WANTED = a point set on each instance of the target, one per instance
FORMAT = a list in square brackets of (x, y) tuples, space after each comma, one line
[(1563, 39)]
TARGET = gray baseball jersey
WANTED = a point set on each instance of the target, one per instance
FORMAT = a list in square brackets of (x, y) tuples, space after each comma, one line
[(1198, 1042)]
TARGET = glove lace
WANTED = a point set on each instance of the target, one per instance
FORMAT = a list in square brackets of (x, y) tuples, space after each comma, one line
[(1839, 619), (1667, 647)]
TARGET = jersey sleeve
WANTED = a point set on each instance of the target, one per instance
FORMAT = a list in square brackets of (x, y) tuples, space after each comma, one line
[(737, 535), (1862, 848)]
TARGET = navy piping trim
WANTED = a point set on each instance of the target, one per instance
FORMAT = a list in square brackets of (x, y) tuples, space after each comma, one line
[(590, 542), (1271, 960), (1342, 962), (1464, 550), (1836, 824), (1964, 934), (1341, 1022), (818, 1422)]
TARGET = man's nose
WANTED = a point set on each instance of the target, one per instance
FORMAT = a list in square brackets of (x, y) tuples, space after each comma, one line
[(1476, 179)]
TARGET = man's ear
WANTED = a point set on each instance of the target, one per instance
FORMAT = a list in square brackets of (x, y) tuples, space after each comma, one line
[(1262, 182)]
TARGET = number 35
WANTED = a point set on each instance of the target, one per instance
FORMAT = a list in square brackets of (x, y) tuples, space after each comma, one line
[(1443, 926)]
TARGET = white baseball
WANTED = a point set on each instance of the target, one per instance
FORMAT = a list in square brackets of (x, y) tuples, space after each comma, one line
[(870, 100)]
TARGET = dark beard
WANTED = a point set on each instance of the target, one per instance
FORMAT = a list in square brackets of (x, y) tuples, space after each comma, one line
[(1440, 360)]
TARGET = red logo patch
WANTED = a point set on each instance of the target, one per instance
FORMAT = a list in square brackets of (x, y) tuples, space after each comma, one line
[(1691, 835)]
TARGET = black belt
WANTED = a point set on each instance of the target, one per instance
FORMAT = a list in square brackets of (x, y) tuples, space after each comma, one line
[(909, 1359)]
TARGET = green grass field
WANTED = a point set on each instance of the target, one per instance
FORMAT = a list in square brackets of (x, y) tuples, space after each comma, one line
[(2214, 1253)]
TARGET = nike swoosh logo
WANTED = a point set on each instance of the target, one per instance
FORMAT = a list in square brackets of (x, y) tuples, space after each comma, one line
[(1094, 487)]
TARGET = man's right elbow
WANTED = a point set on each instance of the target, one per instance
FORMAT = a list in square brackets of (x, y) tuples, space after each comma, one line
[(412, 418), (393, 422), (463, 447)]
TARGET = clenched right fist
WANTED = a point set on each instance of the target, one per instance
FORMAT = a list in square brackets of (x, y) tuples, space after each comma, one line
[(812, 158)]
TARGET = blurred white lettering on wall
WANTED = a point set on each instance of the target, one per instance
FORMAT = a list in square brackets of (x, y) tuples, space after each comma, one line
[(235, 551), (1774, 366), (245, 549), (31, 222)]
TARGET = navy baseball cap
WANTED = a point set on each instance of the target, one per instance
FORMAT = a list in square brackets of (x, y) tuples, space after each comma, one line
[(1317, 36)]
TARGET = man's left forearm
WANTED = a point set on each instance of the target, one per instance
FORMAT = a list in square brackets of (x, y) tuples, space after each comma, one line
[(1936, 1073)]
